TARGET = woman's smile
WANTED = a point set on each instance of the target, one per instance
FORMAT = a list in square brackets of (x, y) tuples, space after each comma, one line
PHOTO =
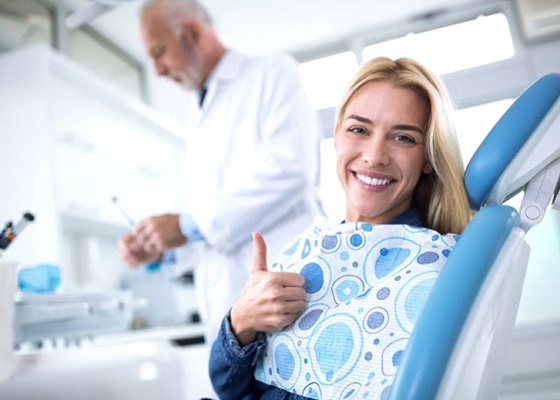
[(373, 182)]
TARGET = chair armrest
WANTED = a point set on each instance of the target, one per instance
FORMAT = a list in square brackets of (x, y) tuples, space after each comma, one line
[(449, 303)]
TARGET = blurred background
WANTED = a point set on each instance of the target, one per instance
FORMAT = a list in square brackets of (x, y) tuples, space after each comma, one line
[(78, 94)]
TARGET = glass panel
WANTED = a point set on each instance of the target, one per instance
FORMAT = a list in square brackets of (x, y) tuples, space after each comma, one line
[(23, 22), (97, 54), (469, 44), (326, 78)]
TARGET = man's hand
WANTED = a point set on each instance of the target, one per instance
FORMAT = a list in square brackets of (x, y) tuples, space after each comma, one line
[(132, 253), (270, 300), (150, 238), (159, 233)]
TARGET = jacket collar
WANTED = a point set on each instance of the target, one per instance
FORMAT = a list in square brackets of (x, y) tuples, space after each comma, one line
[(228, 67), (409, 217)]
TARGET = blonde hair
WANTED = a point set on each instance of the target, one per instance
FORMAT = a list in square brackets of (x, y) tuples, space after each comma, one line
[(440, 196)]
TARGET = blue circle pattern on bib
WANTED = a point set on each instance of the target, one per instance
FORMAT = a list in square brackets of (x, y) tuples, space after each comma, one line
[(365, 285)]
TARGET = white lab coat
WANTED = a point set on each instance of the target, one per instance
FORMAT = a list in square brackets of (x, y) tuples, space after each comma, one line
[(252, 165)]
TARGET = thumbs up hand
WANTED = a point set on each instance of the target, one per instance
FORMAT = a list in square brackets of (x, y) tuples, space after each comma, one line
[(259, 254), (270, 300)]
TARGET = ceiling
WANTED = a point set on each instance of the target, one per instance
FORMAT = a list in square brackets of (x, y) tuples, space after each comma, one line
[(289, 25)]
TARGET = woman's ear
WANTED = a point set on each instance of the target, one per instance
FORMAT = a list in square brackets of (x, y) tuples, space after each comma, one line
[(427, 169)]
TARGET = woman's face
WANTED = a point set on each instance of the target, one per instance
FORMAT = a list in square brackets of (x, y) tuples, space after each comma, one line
[(380, 148)]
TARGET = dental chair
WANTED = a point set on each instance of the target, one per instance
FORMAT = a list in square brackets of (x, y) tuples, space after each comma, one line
[(458, 347)]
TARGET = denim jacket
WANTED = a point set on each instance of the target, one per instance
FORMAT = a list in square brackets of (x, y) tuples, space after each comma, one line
[(232, 367)]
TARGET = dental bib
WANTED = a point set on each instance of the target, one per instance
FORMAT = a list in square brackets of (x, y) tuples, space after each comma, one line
[(365, 286)]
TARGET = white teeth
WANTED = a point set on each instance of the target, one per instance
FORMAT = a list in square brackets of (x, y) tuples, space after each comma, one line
[(373, 181)]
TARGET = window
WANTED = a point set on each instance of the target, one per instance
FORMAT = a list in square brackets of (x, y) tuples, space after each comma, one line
[(469, 44), (326, 78), (96, 53), (479, 41), (23, 22)]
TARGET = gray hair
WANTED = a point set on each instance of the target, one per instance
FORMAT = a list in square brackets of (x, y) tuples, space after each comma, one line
[(176, 11)]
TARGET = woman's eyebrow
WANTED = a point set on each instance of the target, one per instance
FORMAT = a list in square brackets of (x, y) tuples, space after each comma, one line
[(360, 119), (408, 128)]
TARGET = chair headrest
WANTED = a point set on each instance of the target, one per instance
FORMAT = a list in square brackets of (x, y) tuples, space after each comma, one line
[(521, 144)]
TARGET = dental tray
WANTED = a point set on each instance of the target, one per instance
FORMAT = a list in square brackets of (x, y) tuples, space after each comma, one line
[(71, 316)]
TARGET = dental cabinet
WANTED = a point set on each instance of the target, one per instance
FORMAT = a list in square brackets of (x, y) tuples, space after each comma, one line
[(71, 142)]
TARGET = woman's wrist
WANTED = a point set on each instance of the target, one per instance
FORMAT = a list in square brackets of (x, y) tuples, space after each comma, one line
[(243, 334)]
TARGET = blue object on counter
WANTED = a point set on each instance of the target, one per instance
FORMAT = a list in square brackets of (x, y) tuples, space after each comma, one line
[(152, 267), (41, 278)]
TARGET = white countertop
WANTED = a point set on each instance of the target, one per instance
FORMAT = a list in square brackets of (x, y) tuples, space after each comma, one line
[(178, 332)]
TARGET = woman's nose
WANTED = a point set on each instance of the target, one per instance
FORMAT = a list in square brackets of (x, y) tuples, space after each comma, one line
[(376, 152)]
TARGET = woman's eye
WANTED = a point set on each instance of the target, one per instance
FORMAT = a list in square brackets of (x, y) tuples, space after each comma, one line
[(405, 139), (357, 130)]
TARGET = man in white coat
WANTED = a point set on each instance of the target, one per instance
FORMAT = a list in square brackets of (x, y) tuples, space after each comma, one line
[(252, 148)]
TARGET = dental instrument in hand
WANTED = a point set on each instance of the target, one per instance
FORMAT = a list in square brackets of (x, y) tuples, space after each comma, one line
[(123, 212), (153, 266)]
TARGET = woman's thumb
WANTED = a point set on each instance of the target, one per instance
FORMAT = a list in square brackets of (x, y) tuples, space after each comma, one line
[(259, 253)]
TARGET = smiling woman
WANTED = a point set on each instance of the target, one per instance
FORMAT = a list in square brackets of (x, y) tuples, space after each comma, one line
[(331, 317)]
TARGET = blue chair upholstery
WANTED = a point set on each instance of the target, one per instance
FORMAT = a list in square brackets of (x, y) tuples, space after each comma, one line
[(508, 136), (469, 316)]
